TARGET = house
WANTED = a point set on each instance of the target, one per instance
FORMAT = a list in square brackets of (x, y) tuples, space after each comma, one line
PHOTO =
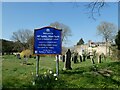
[(99, 47)]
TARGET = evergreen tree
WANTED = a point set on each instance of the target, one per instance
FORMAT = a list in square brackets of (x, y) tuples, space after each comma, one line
[(7, 46), (117, 40), (81, 42)]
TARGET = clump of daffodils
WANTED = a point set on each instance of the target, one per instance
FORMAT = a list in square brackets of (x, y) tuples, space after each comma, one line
[(47, 76)]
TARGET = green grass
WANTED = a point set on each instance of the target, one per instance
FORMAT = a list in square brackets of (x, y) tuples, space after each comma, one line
[(82, 75)]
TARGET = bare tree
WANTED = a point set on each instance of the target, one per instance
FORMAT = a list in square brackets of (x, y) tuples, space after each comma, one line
[(22, 37), (107, 30), (66, 31), (93, 8), (31, 42)]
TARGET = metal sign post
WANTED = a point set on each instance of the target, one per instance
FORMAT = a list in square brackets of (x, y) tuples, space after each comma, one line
[(37, 65), (57, 65)]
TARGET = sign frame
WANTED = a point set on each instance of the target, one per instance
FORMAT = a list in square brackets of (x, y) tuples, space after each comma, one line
[(42, 29)]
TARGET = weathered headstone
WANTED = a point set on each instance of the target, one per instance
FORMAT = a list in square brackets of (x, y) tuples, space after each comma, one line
[(75, 59), (92, 55), (99, 58), (63, 59), (72, 56), (80, 58), (68, 60), (25, 59), (92, 59), (18, 56), (30, 56), (84, 57)]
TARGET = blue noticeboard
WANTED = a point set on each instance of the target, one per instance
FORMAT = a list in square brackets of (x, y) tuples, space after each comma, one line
[(47, 40)]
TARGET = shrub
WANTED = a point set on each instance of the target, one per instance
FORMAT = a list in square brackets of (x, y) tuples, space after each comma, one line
[(26, 52), (115, 54)]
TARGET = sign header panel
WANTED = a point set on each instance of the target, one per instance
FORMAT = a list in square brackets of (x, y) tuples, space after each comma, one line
[(47, 40)]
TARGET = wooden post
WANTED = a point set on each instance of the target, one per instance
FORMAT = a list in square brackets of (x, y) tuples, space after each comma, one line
[(37, 65), (57, 65)]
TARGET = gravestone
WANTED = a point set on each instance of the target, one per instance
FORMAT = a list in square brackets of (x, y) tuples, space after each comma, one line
[(18, 56), (92, 59), (99, 58), (68, 60), (30, 56), (63, 59), (84, 57), (73, 56), (75, 59), (25, 59), (92, 56), (80, 58)]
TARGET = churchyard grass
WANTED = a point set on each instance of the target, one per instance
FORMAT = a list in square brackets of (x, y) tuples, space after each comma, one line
[(83, 75)]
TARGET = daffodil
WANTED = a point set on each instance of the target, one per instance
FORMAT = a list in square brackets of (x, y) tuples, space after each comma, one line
[(55, 75), (56, 78), (44, 72), (45, 75), (33, 83), (50, 72), (32, 73)]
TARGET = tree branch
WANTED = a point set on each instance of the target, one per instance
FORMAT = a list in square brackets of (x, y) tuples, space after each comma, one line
[(95, 7)]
